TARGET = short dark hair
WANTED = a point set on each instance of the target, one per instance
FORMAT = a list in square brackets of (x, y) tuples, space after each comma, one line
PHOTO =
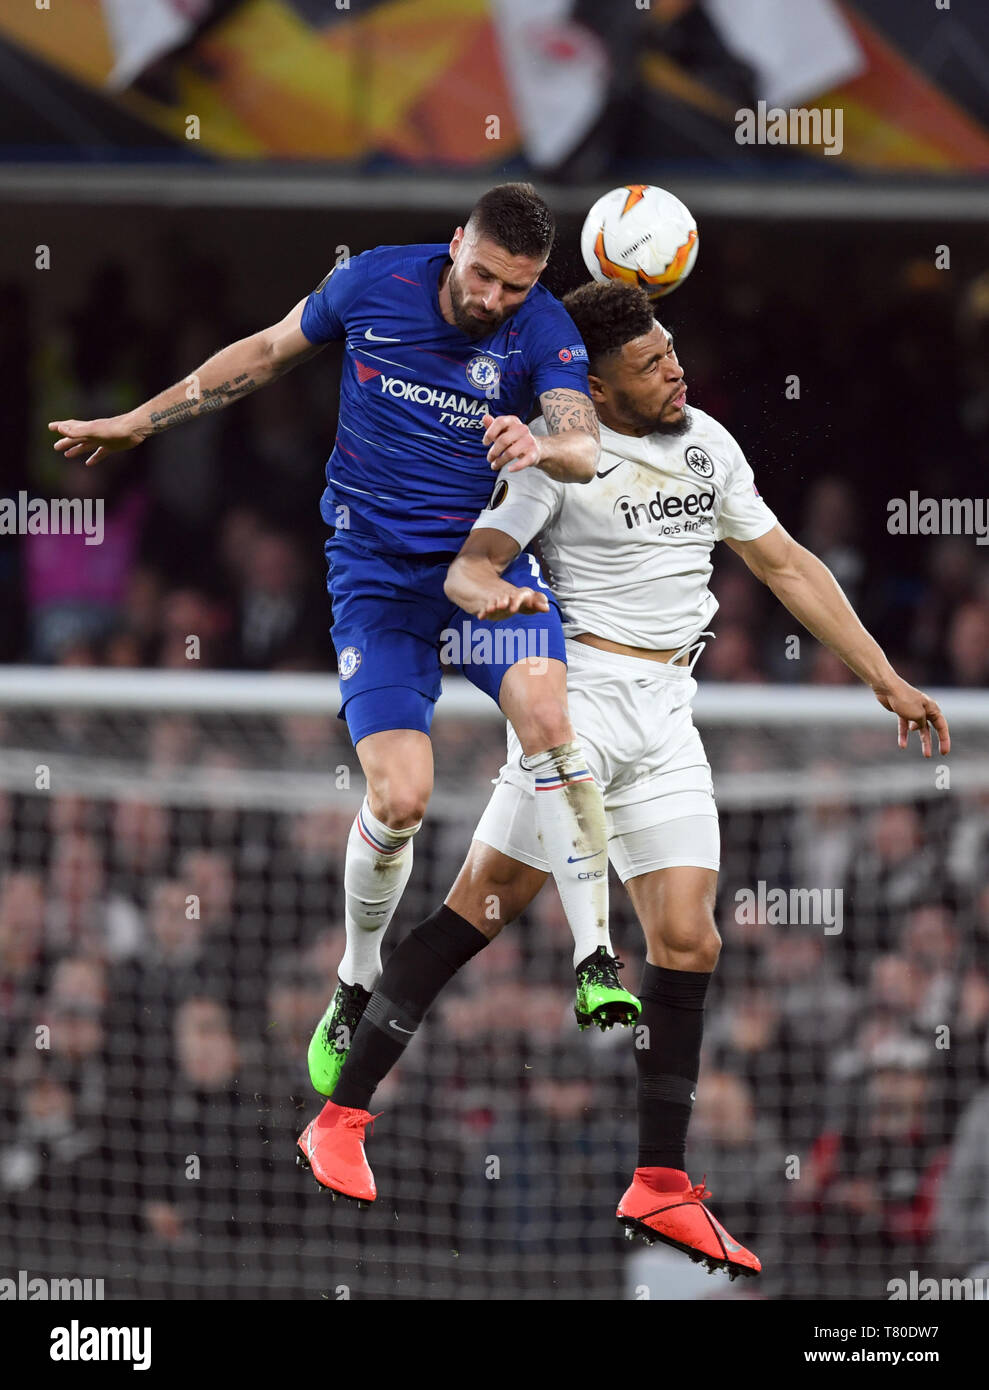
[(514, 216), (609, 316)]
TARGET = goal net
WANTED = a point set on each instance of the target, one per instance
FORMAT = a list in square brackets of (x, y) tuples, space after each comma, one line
[(170, 926)]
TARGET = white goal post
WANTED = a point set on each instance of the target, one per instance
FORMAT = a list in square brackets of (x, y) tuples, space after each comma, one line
[(231, 692), (818, 720)]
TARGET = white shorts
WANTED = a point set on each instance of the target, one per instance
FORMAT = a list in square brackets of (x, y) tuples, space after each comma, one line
[(632, 718)]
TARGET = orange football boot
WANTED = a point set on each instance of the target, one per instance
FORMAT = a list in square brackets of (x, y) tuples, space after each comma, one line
[(332, 1146), (680, 1219)]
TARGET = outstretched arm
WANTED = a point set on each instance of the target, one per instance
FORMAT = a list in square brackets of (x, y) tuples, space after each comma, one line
[(805, 586), (474, 581), (233, 372), (568, 452)]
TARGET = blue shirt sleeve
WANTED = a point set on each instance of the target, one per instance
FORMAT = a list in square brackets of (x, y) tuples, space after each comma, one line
[(325, 311), (556, 354)]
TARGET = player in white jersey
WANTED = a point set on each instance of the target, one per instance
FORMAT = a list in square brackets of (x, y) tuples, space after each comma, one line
[(629, 559)]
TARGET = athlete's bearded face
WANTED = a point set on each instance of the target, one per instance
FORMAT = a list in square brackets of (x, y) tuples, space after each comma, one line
[(640, 390), (486, 284)]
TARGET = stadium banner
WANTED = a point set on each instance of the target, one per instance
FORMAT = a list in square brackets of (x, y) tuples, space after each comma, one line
[(143, 31), (570, 88)]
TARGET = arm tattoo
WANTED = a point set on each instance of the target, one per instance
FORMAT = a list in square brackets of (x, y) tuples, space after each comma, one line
[(569, 410), (209, 399)]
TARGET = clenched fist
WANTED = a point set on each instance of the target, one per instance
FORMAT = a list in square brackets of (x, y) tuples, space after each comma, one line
[(511, 442)]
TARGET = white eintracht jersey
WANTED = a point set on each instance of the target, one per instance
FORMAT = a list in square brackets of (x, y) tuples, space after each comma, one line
[(628, 555)]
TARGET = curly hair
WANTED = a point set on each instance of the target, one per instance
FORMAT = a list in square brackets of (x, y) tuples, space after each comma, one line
[(609, 316), (515, 217)]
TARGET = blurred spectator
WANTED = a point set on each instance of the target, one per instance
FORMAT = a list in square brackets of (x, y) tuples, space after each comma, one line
[(962, 1210), (831, 531), (874, 1175), (732, 657), (800, 969), (186, 468), (931, 944), (140, 846), (76, 886), (234, 939), (827, 668), (737, 590), (147, 989), (50, 1165), (952, 578), (307, 742), (824, 832), (75, 591), (532, 1211), (973, 337), (206, 1050), (208, 875), (312, 861), (744, 1037), (142, 610), (968, 852), (893, 870), (73, 1013), (22, 958), (295, 1002), (283, 438), (967, 1055), (202, 1143), (890, 1012), (239, 530), (733, 1141), (193, 631), (278, 612), (813, 1001), (968, 643)]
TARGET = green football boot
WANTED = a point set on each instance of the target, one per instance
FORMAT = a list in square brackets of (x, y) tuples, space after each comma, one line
[(600, 997), (330, 1044)]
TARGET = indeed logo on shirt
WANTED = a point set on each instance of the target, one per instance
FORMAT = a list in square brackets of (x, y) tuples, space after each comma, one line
[(660, 508)]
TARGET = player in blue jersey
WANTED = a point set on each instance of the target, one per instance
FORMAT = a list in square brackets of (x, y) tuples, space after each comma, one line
[(447, 350)]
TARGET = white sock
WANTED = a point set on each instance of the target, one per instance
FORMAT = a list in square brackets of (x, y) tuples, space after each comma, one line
[(378, 865), (572, 828)]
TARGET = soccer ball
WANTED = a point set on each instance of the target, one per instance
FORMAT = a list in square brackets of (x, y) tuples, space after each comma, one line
[(640, 234)]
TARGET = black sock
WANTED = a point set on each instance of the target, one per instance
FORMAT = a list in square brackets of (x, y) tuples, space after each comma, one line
[(668, 1061), (417, 970)]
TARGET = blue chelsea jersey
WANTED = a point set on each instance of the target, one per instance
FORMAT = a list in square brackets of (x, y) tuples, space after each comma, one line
[(409, 465)]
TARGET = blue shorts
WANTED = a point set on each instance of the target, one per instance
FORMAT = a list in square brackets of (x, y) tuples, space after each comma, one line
[(392, 622)]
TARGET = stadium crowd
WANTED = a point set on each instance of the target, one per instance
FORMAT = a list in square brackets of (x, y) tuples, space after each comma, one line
[(162, 966)]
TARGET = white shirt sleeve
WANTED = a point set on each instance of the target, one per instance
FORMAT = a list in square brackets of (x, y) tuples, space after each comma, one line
[(524, 503), (744, 515)]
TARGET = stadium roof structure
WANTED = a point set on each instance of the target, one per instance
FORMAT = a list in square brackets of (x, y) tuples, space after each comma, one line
[(289, 187)]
